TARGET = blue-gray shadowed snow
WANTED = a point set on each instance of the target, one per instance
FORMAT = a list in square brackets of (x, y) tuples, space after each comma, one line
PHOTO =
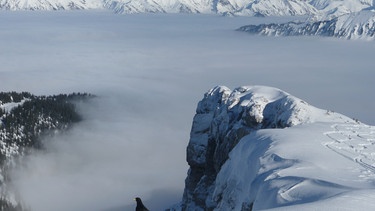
[(257, 148), (149, 72)]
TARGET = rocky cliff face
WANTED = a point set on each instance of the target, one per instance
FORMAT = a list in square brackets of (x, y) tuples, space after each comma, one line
[(222, 118)]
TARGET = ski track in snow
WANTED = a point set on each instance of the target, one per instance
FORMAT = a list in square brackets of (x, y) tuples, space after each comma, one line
[(356, 143)]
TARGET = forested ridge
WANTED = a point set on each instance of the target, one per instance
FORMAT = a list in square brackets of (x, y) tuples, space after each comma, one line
[(24, 120)]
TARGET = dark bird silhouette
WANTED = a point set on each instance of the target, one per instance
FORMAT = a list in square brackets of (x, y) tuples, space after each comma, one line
[(140, 206)]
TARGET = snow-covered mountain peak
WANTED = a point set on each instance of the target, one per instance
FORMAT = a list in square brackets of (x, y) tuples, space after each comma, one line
[(225, 7), (323, 14), (223, 118), (321, 8), (273, 107), (245, 93), (329, 9)]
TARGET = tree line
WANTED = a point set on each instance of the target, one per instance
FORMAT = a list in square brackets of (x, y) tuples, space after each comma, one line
[(22, 127)]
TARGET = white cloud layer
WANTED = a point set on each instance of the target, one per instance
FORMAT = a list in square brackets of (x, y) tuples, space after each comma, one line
[(149, 72)]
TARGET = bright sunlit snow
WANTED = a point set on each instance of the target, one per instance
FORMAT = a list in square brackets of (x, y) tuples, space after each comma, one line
[(324, 166), (149, 72), (289, 153)]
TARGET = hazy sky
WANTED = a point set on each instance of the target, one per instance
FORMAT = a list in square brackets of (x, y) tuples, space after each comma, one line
[(149, 72)]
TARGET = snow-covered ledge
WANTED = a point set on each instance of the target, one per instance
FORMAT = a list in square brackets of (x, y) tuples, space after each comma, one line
[(259, 147)]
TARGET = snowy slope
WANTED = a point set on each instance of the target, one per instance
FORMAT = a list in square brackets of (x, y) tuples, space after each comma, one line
[(329, 9), (7, 107), (313, 165), (261, 148)]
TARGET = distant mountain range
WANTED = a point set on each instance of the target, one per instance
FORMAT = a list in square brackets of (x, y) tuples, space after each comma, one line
[(50, 4), (225, 7), (358, 25), (350, 19)]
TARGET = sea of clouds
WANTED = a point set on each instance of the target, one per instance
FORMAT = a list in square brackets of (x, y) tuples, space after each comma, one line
[(149, 72)]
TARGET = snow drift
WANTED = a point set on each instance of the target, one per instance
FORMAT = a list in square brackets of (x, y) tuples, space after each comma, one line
[(257, 148)]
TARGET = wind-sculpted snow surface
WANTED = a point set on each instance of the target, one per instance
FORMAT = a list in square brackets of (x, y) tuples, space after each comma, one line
[(323, 165), (358, 25), (258, 148), (354, 142)]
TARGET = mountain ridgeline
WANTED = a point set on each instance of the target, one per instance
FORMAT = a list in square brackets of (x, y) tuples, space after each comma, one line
[(224, 7), (352, 19), (26, 119), (223, 117), (358, 25)]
